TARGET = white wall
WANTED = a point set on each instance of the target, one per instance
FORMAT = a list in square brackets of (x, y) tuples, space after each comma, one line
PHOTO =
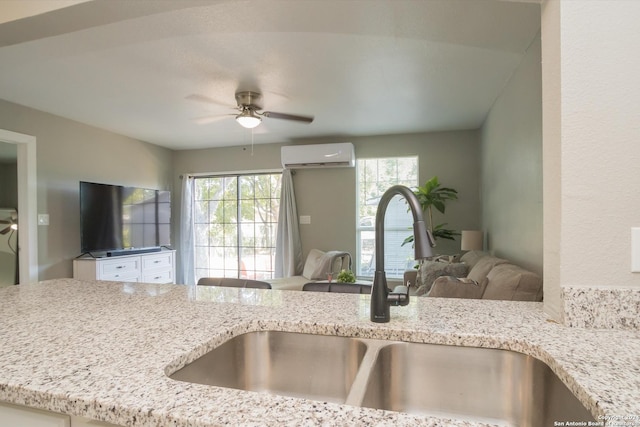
[(591, 91), (512, 167)]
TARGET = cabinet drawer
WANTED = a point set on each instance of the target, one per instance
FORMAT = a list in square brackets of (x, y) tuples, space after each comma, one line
[(122, 277), (165, 276), (157, 262), (119, 268)]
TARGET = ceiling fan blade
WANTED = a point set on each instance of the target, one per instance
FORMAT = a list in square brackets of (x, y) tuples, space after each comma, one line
[(211, 119), (207, 100), (5, 231), (6, 221), (284, 116)]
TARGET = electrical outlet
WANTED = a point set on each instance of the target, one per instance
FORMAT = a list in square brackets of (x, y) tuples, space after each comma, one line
[(43, 219)]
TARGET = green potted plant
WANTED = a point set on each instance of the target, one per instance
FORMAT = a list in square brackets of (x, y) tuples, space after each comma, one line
[(346, 276), (433, 195)]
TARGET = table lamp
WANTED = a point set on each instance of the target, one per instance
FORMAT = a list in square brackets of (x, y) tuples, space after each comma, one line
[(472, 240)]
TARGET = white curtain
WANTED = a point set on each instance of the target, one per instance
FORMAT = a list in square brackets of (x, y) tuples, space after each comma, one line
[(288, 244), (187, 270)]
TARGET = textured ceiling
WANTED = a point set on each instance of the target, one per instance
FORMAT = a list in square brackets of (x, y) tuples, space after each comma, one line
[(150, 70)]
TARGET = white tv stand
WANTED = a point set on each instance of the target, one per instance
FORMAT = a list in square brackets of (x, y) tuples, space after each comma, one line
[(153, 267)]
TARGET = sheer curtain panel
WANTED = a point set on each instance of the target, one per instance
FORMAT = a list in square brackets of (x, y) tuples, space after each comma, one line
[(187, 272), (288, 244)]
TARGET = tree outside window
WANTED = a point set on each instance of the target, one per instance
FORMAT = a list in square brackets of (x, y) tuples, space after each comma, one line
[(236, 219), (374, 177)]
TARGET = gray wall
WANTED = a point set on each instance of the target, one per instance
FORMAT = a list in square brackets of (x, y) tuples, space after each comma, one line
[(69, 152), (328, 195), (512, 167)]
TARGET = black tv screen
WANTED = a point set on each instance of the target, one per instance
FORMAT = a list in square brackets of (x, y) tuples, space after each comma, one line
[(114, 217)]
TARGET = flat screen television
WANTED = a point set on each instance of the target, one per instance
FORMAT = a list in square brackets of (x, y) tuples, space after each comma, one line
[(117, 218)]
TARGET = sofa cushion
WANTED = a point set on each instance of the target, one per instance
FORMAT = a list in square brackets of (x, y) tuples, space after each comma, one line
[(231, 282), (471, 258), (431, 270), (454, 287), (483, 266), (293, 283), (513, 283)]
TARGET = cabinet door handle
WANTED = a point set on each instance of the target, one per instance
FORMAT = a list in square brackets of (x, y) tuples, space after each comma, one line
[(119, 266)]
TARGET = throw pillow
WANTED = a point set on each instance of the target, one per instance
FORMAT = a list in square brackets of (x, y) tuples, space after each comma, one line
[(417, 267), (311, 264), (431, 270), (471, 258)]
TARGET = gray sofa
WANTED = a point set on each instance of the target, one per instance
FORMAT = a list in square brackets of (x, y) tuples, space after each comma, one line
[(316, 267), (233, 283), (344, 288), (477, 275)]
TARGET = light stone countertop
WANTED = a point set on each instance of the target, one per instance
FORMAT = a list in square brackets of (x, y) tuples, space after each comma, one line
[(101, 349)]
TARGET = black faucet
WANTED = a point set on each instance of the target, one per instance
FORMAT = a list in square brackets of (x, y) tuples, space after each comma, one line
[(381, 296)]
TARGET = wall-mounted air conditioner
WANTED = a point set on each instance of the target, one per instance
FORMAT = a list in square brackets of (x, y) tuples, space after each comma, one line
[(318, 156)]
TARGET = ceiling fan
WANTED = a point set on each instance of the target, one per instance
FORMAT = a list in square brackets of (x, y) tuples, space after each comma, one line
[(250, 107), (11, 225)]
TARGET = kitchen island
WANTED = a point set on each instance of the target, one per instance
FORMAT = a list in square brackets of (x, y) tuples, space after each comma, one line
[(102, 350)]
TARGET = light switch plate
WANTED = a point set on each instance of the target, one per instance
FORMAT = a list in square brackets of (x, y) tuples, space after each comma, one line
[(305, 219), (43, 219), (635, 250)]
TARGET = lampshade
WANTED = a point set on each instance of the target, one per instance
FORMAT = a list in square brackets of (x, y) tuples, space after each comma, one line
[(248, 119), (472, 240)]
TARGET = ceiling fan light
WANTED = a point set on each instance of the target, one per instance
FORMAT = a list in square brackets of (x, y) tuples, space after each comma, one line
[(14, 226), (248, 120)]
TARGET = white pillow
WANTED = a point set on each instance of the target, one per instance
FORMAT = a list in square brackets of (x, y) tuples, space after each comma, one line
[(312, 262)]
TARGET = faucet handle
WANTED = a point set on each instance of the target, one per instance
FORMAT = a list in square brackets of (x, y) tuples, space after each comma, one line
[(399, 296)]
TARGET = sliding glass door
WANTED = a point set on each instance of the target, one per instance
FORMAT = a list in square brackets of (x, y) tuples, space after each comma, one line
[(236, 218)]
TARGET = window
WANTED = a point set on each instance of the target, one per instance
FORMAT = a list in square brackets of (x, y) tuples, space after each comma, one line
[(374, 177), (235, 220)]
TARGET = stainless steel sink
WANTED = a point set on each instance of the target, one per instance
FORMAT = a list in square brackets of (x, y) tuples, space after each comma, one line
[(479, 384), (491, 385), (316, 367)]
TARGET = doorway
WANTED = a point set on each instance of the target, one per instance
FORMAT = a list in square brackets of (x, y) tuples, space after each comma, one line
[(27, 204), (8, 214)]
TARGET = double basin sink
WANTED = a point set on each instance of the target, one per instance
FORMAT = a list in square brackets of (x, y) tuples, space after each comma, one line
[(468, 383)]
